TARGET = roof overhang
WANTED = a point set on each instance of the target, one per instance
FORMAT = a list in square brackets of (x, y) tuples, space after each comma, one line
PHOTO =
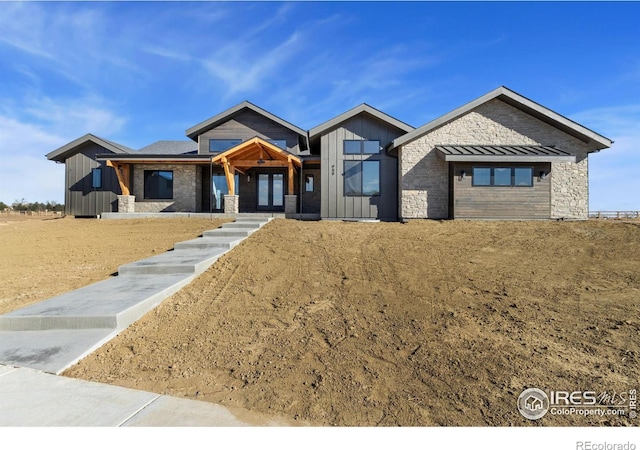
[(62, 153), (524, 104), (142, 159), (224, 116), (363, 108), (503, 153)]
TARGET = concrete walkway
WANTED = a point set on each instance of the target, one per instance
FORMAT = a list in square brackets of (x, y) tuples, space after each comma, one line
[(31, 398), (52, 335)]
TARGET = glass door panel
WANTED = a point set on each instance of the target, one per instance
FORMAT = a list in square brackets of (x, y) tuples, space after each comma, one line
[(278, 190), (263, 190)]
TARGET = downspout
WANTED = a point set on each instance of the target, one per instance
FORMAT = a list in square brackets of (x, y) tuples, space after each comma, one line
[(210, 187)]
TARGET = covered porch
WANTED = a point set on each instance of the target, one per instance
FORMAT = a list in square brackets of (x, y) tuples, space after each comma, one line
[(255, 176), (258, 176)]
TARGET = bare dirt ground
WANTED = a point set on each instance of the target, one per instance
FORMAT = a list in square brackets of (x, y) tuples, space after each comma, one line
[(43, 257), (426, 323)]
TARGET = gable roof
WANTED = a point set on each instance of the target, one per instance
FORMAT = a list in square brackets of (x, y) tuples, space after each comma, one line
[(362, 108), (169, 148), (517, 101), (60, 154), (224, 116)]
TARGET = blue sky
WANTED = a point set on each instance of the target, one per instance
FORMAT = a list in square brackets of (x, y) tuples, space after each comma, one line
[(140, 72)]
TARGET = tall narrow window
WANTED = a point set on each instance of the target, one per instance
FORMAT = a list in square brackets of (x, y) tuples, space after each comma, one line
[(308, 183), (96, 178), (158, 184)]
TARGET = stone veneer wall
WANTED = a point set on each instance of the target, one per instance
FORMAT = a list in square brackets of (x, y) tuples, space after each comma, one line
[(185, 187), (424, 175)]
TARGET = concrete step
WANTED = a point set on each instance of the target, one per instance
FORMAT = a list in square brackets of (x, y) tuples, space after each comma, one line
[(212, 241), (261, 220), (229, 232), (110, 304), (186, 261), (250, 225)]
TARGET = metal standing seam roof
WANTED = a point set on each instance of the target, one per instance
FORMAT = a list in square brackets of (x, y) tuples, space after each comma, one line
[(502, 152)]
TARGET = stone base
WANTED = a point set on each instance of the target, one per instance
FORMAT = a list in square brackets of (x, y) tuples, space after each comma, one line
[(290, 204), (126, 203), (231, 204)]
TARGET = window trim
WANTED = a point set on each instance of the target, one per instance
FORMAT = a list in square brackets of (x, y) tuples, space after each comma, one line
[(492, 180), (147, 174), (360, 164)]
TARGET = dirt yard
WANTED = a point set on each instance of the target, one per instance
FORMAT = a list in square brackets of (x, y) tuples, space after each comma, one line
[(330, 323), (40, 258)]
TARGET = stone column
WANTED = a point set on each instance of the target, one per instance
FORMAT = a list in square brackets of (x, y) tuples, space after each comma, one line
[(126, 203), (290, 204), (231, 204)]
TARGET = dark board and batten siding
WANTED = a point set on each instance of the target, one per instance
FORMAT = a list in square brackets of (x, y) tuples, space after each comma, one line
[(80, 198), (247, 125), (334, 203), (496, 202)]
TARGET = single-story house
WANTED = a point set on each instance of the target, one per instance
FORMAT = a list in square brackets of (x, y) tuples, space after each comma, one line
[(499, 156)]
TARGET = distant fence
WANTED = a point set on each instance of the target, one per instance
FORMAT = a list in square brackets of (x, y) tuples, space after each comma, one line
[(614, 214), (7, 212)]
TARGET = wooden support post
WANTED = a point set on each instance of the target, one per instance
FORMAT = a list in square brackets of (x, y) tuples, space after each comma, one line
[(228, 173), (291, 174)]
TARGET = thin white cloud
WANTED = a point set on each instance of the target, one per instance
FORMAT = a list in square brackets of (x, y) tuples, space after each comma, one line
[(243, 70), (613, 181), (39, 128)]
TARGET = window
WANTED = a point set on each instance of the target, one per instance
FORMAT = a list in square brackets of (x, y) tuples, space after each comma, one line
[(278, 143), (220, 145), (308, 183), (503, 176), (523, 176), (352, 147), (481, 176), (158, 184), (96, 178), (361, 178)]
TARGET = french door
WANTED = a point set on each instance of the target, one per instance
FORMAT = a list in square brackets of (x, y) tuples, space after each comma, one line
[(270, 191)]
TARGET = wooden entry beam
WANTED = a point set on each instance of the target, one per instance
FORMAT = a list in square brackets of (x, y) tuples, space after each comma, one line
[(123, 173)]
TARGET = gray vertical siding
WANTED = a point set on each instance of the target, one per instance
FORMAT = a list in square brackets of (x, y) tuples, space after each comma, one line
[(247, 125), (80, 198), (334, 203)]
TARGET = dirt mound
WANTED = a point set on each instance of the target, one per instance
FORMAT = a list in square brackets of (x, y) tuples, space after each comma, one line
[(426, 323)]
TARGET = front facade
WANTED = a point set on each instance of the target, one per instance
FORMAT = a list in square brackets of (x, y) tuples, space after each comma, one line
[(501, 156)]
